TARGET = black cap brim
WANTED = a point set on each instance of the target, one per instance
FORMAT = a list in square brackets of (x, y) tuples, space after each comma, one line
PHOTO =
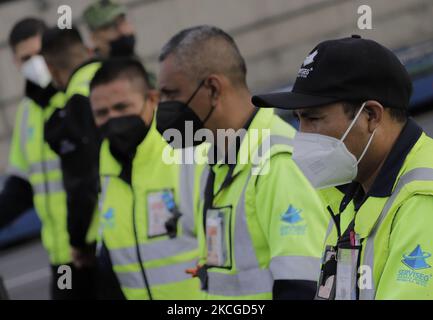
[(290, 100)]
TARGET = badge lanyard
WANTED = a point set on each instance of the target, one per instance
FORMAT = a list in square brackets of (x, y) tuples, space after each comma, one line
[(209, 194), (338, 278), (208, 204)]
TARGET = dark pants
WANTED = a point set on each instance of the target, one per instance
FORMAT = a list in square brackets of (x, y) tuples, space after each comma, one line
[(83, 284), (107, 282)]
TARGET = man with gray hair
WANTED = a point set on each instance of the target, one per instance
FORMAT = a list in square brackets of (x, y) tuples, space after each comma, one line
[(260, 237)]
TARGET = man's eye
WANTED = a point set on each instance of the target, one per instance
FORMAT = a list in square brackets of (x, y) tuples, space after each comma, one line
[(25, 58), (169, 96), (120, 107), (101, 113)]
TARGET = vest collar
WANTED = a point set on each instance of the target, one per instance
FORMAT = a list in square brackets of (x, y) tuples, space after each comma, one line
[(389, 173), (41, 96), (260, 119), (148, 151), (369, 206), (79, 68)]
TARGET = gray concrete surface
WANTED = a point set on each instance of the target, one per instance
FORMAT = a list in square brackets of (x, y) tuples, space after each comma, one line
[(25, 271)]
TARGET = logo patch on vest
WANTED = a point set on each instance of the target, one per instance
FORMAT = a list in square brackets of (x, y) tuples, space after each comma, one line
[(30, 133), (108, 217), (416, 267), (292, 222)]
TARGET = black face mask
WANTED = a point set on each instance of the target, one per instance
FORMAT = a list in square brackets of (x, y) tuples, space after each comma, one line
[(174, 114), (122, 46), (125, 134)]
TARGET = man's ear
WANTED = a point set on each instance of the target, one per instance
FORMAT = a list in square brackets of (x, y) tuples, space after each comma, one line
[(16, 62), (151, 103), (375, 113), (56, 76), (90, 51), (214, 84), (152, 97)]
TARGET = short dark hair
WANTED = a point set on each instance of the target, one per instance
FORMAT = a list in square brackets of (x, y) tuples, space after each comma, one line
[(25, 29), (202, 50), (398, 114), (121, 68), (59, 46)]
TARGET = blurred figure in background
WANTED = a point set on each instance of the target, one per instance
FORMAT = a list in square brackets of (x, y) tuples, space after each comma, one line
[(148, 231), (72, 134), (35, 174), (110, 30)]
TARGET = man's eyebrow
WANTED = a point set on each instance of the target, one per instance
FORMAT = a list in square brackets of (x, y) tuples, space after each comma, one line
[(26, 57), (309, 112), (100, 110)]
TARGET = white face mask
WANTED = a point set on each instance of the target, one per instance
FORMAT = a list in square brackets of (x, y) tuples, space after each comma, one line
[(324, 160), (35, 69)]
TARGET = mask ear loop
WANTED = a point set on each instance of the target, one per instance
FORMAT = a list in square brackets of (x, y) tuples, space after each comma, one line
[(366, 147), (192, 97), (353, 122), (195, 92)]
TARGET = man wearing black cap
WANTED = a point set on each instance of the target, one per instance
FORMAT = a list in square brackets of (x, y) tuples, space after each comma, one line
[(351, 97)]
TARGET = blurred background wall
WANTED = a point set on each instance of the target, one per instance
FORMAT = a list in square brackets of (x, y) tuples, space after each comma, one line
[(273, 35)]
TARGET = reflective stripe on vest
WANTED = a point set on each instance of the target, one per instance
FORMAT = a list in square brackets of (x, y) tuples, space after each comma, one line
[(101, 201), (250, 278), (24, 130), (203, 179), (17, 172), (48, 187), (330, 228), (186, 194), (266, 147), (156, 276), (418, 174), (45, 166), (295, 268), (11, 169), (161, 249)]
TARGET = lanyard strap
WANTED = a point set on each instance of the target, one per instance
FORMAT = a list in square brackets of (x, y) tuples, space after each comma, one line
[(209, 195), (347, 239)]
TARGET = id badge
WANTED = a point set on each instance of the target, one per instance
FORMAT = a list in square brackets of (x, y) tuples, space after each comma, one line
[(158, 212), (326, 288), (215, 238), (346, 274)]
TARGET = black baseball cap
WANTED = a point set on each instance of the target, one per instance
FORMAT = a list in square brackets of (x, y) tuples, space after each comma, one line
[(348, 69)]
